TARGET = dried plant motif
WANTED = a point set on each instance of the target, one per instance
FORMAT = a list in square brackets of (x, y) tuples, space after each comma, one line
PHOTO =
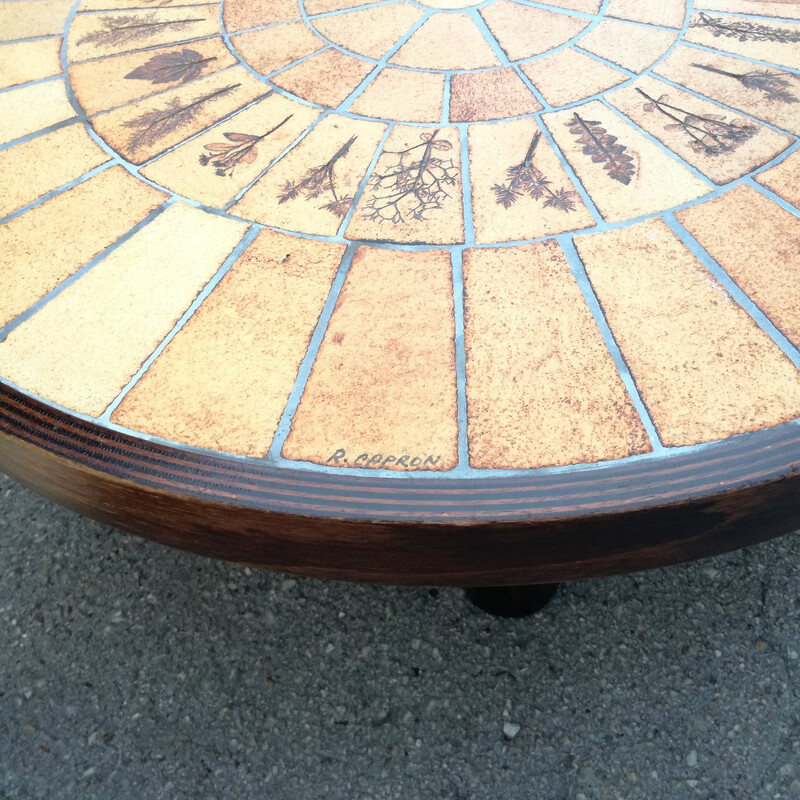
[(746, 31), (603, 148), (179, 65), (709, 134), (526, 178), (775, 85), (318, 181), (154, 125), (120, 30), (239, 149), (415, 183)]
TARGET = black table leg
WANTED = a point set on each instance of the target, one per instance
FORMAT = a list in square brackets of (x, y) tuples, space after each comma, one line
[(512, 601)]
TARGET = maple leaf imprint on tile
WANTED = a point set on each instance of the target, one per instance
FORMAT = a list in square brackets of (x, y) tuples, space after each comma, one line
[(603, 147), (179, 65), (774, 85), (239, 149), (119, 30)]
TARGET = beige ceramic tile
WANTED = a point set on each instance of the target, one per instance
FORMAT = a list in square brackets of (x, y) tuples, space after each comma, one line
[(29, 61), (35, 18), (586, 6), (778, 44), (95, 35), (78, 223), (272, 48), (384, 380), (634, 47), (110, 82), (489, 94), (223, 381), (103, 5), (212, 168), (542, 390), (763, 258), (83, 346), (669, 13), (38, 166), (569, 75), (524, 31), (239, 15), (326, 78), (370, 31), (426, 208), (768, 8), (403, 95), (784, 179), (147, 128), (32, 108), (775, 98), (703, 367), (446, 41), (519, 188), (324, 6), (311, 189), (719, 143), (625, 173)]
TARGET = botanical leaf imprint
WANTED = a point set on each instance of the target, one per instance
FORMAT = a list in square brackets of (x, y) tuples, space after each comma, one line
[(119, 30), (775, 85), (746, 31), (603, 148), (179, 65), (239, 149)]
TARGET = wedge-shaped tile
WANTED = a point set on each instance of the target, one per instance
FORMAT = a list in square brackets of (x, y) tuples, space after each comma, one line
[(35, 18), (82, 347), (223, 381), (542, 390), (32, 108), (21, 62), (634, 47), (324, 6), (403, 95), (586, 6), (489, 94), (273, 48), (239, 15), (784, 179), (703, 367), (667, 13), (382, 391)]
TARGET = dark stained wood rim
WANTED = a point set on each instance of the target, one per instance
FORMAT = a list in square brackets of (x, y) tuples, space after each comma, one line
[(539, 527)]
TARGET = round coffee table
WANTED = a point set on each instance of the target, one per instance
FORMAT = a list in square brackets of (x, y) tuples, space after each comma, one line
[(484, 294)]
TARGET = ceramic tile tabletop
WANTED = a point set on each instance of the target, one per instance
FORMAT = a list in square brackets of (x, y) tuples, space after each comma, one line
[(452, 238)]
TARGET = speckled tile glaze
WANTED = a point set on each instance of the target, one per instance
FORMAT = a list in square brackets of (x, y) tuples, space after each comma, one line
[(490, 94), (401, 94), (633, 47), (31, 108), (22, 62), (270, 49), (666, 13), (784, 179), (239, 15), (32, 19)]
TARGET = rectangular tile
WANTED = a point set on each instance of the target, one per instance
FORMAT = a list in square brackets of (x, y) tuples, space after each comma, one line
[(33, 18), (29, 61), (31, 108)]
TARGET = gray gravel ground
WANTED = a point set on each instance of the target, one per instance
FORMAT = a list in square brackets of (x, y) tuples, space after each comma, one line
[(128, 670)]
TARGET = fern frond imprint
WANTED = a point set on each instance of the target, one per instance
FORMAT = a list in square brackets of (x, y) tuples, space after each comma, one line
[(239, 149), (120, 30), (775, 85), (415, 183), (603, 148), (709, 134), (179, 65), (746, 31), (319, 180), (525, 178), (154, 125)]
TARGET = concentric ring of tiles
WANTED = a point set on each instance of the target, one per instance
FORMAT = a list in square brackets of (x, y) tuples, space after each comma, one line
[(441, 237)]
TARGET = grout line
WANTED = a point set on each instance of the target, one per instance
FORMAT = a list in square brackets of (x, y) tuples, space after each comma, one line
[(28, 84), (42, 132), (466, 187), (768, 193), (445, 118), (460, 357), (606, 62)]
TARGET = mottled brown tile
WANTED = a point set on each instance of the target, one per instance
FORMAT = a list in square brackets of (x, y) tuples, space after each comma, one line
[(223, 381), (784, 179), (703, 367), (489, 94), (634, 47), (103, 5), (668, 13), (239, 15), (586, 6), (768, 8), (33, 18), (21, 62), (272, 48), (402, 95), (32, 108), (384, 380)]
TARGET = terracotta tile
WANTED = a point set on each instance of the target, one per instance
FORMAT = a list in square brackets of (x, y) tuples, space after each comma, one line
[(489, 94), (763, 258), (524, 31), (272, 48), (768, 8), (102, 5), (636, 177), (328, 144), (720, 77), (669, 13), (239, 15), (29, 61), (446, 41), (147, 128), (384, 380), (80, 223), (542, 390), (110, 82), (586, 6), (191, 171), (32, 168), (634, 47), (95, 35), (569, 75), (402, 95), (326, 78), (324, 6), (731, 30), (83, 346), (703, 367), (784, 179), (503, 208), (223, 381), (429, 210), (32, 108), (34, 18), (718, 143), (369, 31)]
